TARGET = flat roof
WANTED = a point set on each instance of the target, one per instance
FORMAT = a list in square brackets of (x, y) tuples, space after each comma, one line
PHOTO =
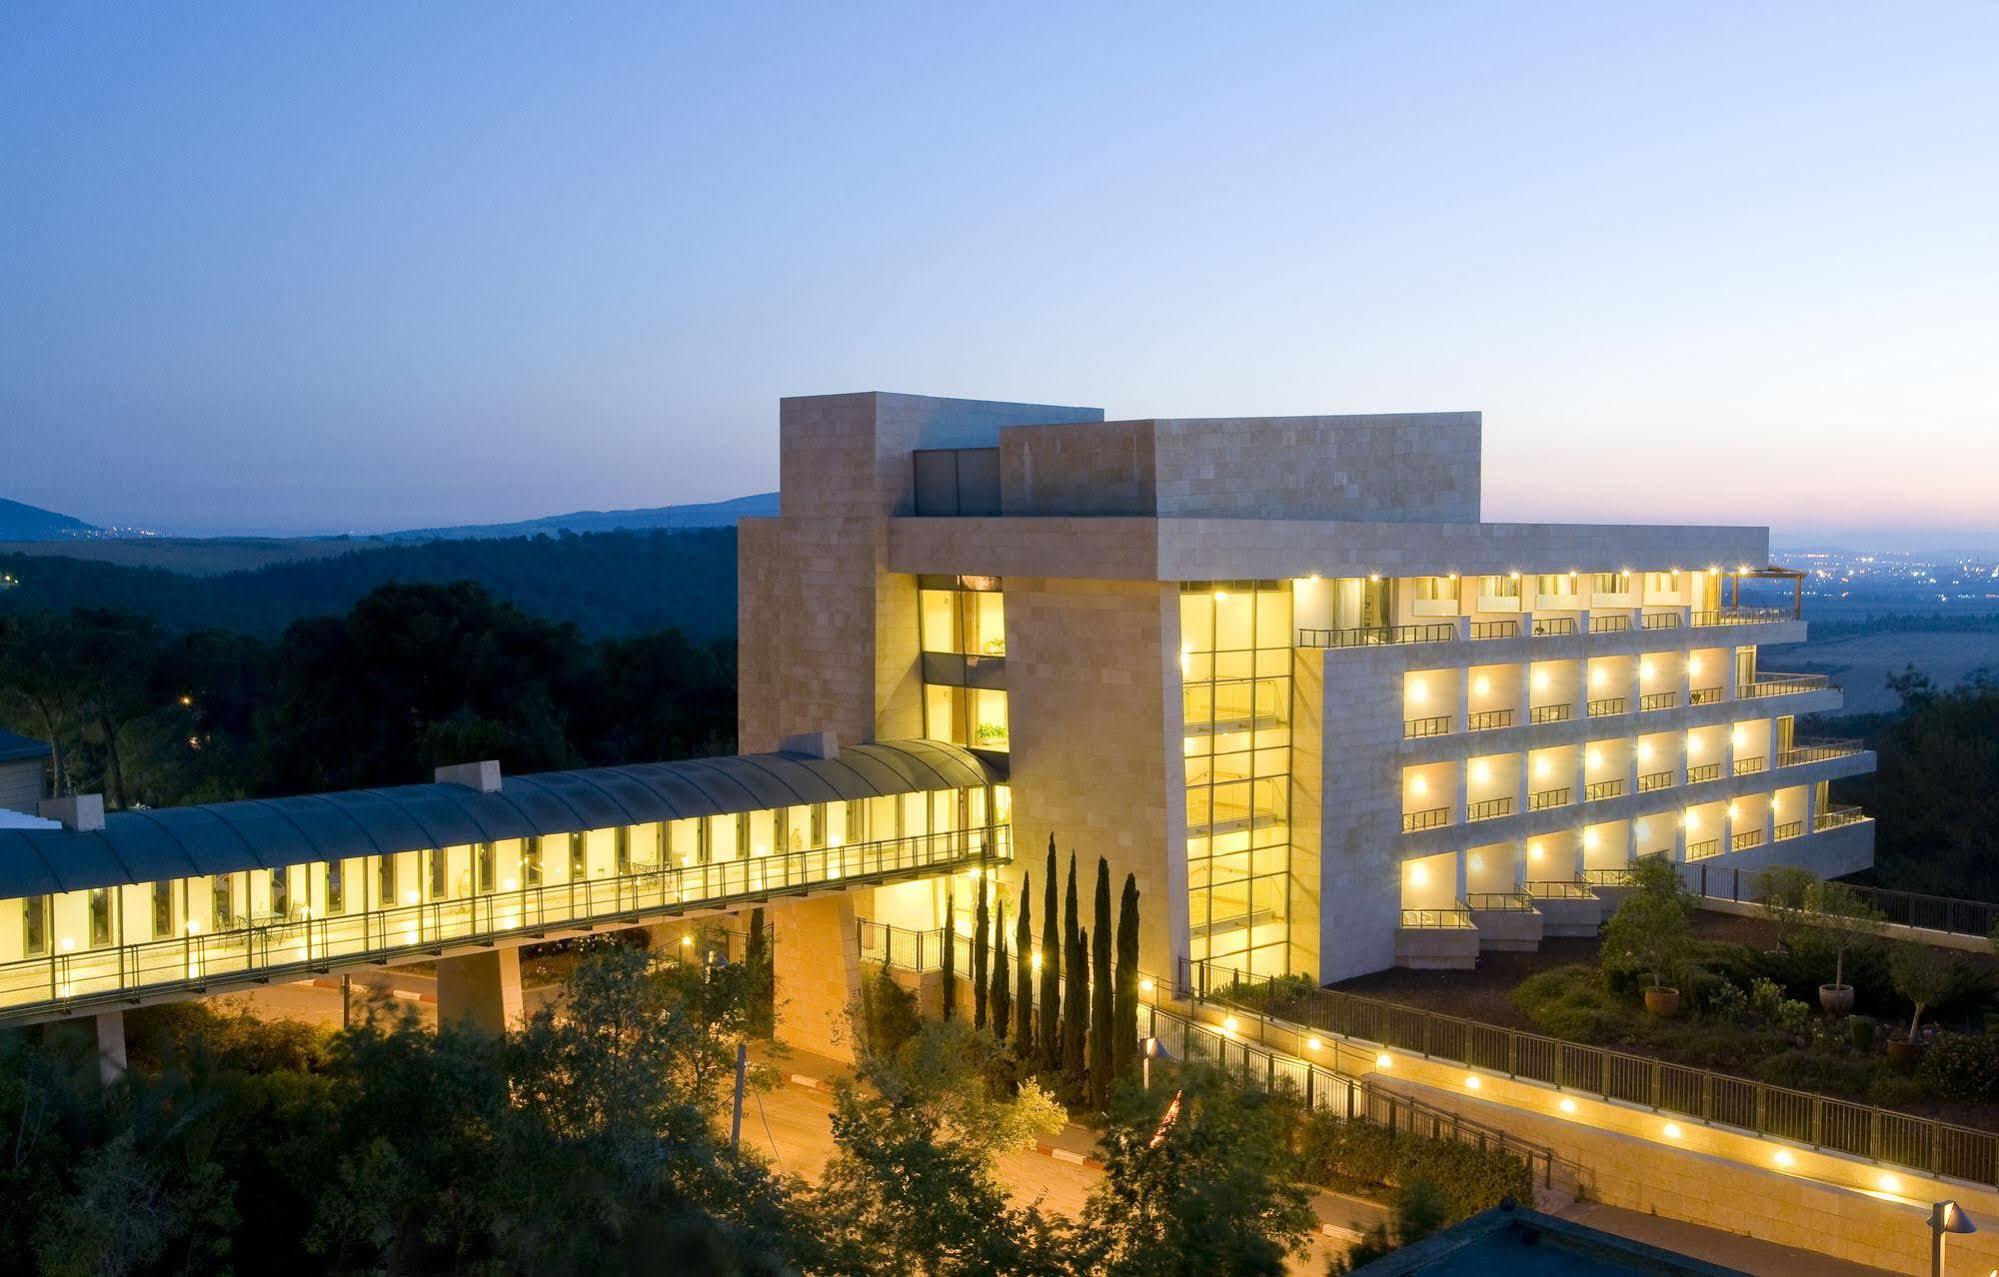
[(152, 845)]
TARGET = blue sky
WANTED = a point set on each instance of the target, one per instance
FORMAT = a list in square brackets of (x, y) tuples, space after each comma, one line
[(306, 268)]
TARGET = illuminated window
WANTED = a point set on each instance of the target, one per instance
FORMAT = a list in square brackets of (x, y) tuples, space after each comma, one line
[(485, 867), (336, 888), (35, 926), (281, 892), (579, 857), (163, 910), (100, 917)]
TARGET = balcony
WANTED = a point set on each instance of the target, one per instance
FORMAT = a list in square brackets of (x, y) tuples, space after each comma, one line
[(1597, 791), (1434, 818), (1789, 829), (1703, 772), (1661, 621), (1378, 636), (1495, 629), (1554, 626), (1658, 700), (1499, 902), (1458, 919), (1487, 720), (1543, 800), (1651, 782), (1609, 706), (1489, 809), (1704, 696), (1837, 818), (1561, 713), (1745, 840), (1772, 684), (1613, 624), (1703, 849), (1819, 749), (1438, 725), (1751, 765), (1742, 616)]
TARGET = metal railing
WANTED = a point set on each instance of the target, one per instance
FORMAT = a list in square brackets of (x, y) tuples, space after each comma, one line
[(32, 987), (1705, 696), (1652, 781), (1742, 616), (1771, 684), (1751, 765), (1745, 840), (1837, 817), (1819, 750), (1882, 1135), (1434, 818), (1495, 629), (1542, 800), (1948, 914), (1487, 720), (1561, 713), (1436, 725), (1499, 901), (1658, 700), (1458, 919), (1559, 889), (1787, 829), (1606, 706), (1612, 624), (1554, 626), (1598, 790), (1661, 621), (1377, 635), (1489, 809), (1703, 849), (1698, 773)]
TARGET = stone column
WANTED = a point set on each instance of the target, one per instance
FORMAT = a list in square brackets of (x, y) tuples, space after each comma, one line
[(110, 1046), (480, 990), (816, 963)]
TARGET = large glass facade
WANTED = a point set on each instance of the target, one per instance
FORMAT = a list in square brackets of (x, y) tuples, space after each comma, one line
[(1236, 650), (963, 635)]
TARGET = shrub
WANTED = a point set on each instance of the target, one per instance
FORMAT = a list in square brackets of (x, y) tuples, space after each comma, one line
[(1353, 1156), (1766, 999), (1793, 1015), (1572, 1003), (1962, 1066), (1895, 1090), (888, 1014), (1815, 1071), (1727, 1003), (1922, 975), (1861, 1029)]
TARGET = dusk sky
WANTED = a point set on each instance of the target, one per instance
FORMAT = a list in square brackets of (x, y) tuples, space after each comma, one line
[(327, 267)]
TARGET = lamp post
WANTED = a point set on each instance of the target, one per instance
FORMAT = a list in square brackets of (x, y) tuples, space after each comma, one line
[(1945, 1217), (1148, 1049)]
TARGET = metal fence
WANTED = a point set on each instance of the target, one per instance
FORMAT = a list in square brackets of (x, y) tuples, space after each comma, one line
[(1948, 914), (1821, 1122)]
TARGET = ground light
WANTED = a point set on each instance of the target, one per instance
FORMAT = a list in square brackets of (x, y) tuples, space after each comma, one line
[(1945, 1217)]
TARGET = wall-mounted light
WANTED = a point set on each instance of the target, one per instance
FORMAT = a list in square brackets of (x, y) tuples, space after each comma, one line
[(1419, 691), (1567, 1105), (1534, 851), (1472, 1082), (1693, 665), (1691, 818), (1782, 1157), (1589, 840), (1644, 751), (1418, 875), (1591, 758), (1481, 685), (1477, 862), (1731, 811), (1542, 767), (1418, 786), (1644, 669), (1540, 680), (1384, 1061), (1672, 1130), (1481, 771)]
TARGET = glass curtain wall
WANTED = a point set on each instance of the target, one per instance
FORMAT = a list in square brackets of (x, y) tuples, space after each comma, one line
[(1236, 649), (963, 623)]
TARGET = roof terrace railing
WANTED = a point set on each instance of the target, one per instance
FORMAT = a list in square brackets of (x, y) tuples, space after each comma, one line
[(256, 952), (1377, 635)]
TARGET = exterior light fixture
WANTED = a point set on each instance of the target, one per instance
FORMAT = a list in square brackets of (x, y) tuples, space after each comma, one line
[(193, 927), (1732, 811), (1312, 1044), (1567, 1105), (1693, 665), (1946, 1217), (1513, 575), (1693, 746), (1644, 669), (1481, 685), (1418, 875), (687, 942), (1481, 771), (1542, 767), (1644, 827), (1782, 1157), (68, 943), (1889, 1184), (1229, 1024), (1540, 680), (1035, 962), (1418, 786), (410, 897), (1692, 818), (1591, 758), (1144, 986), (1221, 596), (1472, 1082), (1644, 751), (1739, 736), (1672, 1131), (1477, 861), (1589, 840), (1384, 1061), (1374, 576), (1419, 692), (1596, 677), (1533, 851)]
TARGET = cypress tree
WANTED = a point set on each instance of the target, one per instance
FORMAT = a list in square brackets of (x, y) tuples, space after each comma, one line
[(1102, 1031), (1049, 1032), (981, 956), (950, 959), (1002, 981), (1076, 1002), (1023, 988), (1124, 1015)]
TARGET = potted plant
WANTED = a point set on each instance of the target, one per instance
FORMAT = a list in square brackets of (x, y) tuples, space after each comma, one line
[(1922, 975), (1800, 903), (1650, 934)]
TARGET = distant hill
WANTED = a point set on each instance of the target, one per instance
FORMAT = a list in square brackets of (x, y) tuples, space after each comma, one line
[(20, 522), (715, 514), (607, 583)]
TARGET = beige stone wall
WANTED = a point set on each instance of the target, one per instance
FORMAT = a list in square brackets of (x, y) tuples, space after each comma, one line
[(1360, 887), (1093, 679), (816, 965)]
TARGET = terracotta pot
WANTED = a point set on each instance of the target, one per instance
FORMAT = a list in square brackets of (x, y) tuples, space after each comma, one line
[(1662, 1001), (1905, 1055), (1837, 999)]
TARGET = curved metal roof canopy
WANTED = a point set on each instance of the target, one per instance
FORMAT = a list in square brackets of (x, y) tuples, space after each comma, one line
[(268, 833)]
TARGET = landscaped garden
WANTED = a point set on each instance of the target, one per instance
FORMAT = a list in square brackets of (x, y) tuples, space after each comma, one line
[(1811, 994)]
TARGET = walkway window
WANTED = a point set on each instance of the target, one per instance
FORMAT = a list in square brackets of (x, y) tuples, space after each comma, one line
[(222, 901), (483, 860), (579, 857), (621, 845), (281, 893), (336, 887), (35, 926), (100, 917), (163, 910), (531, 852), (385, 883), (436, 861)]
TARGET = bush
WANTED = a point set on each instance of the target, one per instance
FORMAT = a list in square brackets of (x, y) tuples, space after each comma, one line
[(1353, 1156), (888, 1014), (1861, 1029), (1766, 999), (1816, 1071), (1896, 1090), (1727, 1003), (1961, 1066), (1572, 1003)]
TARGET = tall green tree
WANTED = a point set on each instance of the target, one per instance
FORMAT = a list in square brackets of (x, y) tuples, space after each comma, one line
[(1001, 994), (1048, 1033), (950, 957), (1124, 1014), (1101, 1028), (1023, 987), (1076, 1004), (41, 681), (981, 955), (115, 653)]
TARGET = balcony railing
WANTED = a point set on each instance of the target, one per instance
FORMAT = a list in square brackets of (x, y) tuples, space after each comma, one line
[(1788, 829), (1700, 772), (1703, 849), (1487, 720), (1377, 635), (1704, 696), (1542, 800), (1434, 818), (1661, 621), (1559, 889), (1607, 706), (1597, 791), (1499, 902), (1837, 818), (1742, 616), (1561, 713), (1768, 684), (1819, 750), (1658, 700), (1612, 624), (1437, 920), (1554, 626), (1495, 629), (288, 949), (1489, 809), (1751, 765), (1437, 725), (1653, 781), (1745, 840)]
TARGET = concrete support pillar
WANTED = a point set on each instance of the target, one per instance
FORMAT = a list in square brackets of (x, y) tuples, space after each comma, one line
[(1462, 722), (817, 970), (480, 990), (110, 1046)]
